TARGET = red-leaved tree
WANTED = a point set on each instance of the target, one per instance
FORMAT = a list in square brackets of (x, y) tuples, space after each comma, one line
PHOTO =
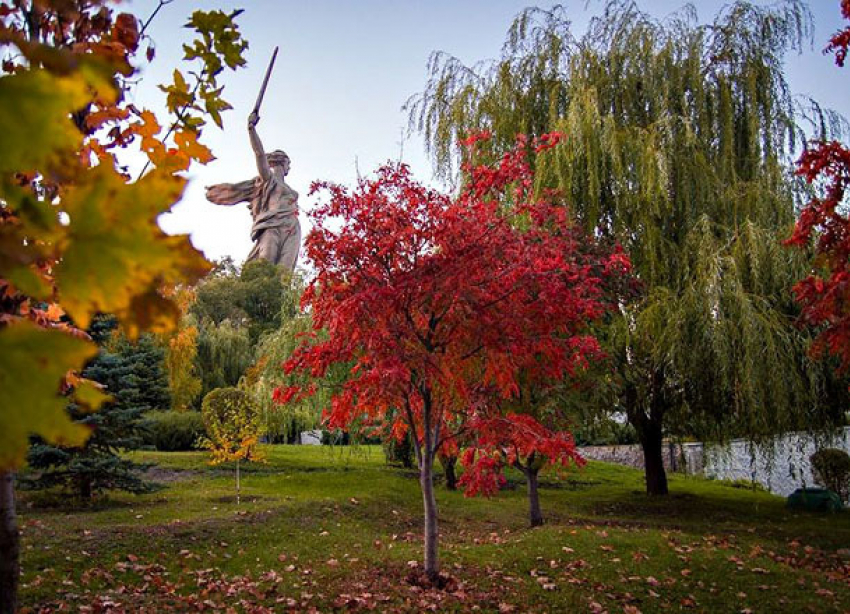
[(520, 440), (441, 303), (826, 299)]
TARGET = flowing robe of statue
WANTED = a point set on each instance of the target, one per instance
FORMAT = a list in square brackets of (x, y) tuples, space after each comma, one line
[(276, 231)]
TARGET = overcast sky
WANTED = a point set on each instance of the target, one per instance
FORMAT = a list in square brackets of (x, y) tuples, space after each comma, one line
[(345, 69)]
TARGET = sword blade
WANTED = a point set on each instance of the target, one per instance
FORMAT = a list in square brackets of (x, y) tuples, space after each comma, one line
[(265, 82)]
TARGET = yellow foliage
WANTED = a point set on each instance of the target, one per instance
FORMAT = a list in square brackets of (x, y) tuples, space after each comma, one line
[(113, 250), (183, 382), (82, 239), (38, 137), (233, 426)]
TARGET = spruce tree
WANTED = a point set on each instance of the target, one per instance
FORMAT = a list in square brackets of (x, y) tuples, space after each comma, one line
[(678, 142), (132, 373)]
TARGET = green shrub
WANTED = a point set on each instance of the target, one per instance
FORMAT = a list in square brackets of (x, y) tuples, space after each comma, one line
[(172, 431), (605, 432), (831, 469), (400, 452)]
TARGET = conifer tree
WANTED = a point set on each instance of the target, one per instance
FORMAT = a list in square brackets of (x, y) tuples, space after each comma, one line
[(133, 375)]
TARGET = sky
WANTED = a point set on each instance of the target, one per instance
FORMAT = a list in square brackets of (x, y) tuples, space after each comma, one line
[(343, 73)]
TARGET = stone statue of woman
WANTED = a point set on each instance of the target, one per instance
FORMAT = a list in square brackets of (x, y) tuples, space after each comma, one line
[(274, 205)]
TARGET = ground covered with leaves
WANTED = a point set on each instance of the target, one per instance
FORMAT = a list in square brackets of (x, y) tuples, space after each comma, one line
[(325, 529)]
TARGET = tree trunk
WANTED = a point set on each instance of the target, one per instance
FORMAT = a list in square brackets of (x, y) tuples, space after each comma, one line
[(531, 470), (85, 489), (9, 546), (425, 453), (650, 432), (535, 516), (653, 457), (449, 464), (237, 482), (426, 481)]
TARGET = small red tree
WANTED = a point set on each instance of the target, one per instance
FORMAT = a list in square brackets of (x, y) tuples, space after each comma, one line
[(440, 303), (524, 437), (826, 299)]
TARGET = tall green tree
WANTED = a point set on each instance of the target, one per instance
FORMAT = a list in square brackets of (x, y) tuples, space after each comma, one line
[(234, 311), (679, 138), (250, 297), (285, 422)]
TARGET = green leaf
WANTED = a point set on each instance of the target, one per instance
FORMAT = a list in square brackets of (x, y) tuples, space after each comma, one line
[(26, 280), (114, 251), (89, 395), (33, 362), (178, 93), (35, 123)]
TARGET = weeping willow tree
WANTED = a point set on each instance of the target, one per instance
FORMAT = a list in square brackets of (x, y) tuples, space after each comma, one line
[(284, 422), (224, 352), (679, 138)]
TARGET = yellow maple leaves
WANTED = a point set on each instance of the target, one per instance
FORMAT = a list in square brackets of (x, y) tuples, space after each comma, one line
[(35, 131), (233, 426), (113, 252)]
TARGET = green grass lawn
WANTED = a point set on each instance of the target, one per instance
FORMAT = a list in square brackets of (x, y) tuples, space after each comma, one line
[(337, 529)]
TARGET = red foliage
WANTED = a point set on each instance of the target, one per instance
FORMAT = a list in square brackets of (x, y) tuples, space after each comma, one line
[(441, 303), (444, 305), (840, 41), (826, 300), (482, 471), (506, 440)]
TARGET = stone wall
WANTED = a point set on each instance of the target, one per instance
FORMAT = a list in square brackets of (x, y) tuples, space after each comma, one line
[(311, 438), (685, 458), (781, 470)]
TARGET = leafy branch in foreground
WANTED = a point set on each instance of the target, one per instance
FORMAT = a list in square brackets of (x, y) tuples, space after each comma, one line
[(76, 238)]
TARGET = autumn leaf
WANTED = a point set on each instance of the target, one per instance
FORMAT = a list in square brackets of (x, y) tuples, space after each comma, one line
[(46, 127), (114, 250), (89, 395), (33, 362), (187, 141), (178, 94), (96, 119), (149, 126)]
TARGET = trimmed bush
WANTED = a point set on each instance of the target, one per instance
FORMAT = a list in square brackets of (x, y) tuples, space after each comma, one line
[(831, 469), (172, 431), (232, 424)]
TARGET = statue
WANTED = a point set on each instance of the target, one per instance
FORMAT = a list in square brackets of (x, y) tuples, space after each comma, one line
[(276, 231)]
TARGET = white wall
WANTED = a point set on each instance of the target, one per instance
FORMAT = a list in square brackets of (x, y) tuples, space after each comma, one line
[(781, 472)]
